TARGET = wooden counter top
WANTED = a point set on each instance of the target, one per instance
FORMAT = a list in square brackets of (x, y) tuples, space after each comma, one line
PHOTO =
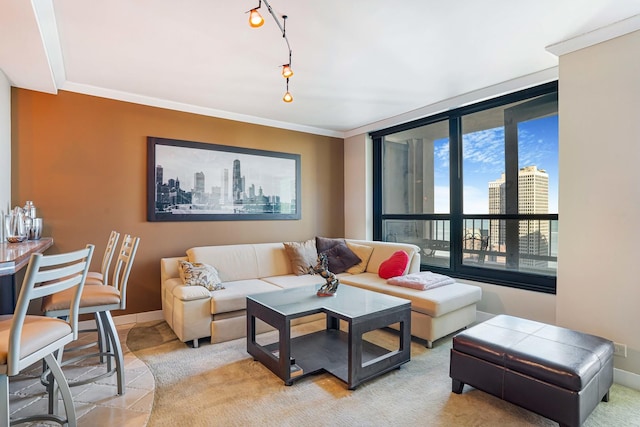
[(14, 256)]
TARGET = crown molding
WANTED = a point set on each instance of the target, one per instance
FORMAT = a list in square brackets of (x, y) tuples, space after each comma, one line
[(195, 109), (602, 34)]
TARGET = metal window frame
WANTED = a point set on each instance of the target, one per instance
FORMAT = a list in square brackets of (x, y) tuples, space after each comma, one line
[(510, 278)]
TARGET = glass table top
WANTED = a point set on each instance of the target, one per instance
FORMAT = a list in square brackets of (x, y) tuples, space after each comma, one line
[(349, 301)]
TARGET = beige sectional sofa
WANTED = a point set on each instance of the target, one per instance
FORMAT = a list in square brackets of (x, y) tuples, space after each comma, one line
[(193, 312)]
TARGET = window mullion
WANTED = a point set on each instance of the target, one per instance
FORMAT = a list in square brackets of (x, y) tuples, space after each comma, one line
[(455, 156)]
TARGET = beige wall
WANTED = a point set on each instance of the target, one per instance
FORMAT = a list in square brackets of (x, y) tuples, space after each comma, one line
[(599, 207), (5, 147), (82, 160), (358, 185), (516, 302)]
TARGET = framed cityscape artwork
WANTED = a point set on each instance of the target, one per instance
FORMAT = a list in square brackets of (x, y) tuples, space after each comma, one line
[(195, 181)]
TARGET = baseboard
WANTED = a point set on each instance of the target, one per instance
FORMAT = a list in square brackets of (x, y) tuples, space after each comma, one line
[(147, 316), (626, 378)]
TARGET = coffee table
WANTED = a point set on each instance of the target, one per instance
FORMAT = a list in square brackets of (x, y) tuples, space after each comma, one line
[(344, 354)]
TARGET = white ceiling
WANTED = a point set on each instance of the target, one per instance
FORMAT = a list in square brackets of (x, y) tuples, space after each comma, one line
[(357, 63)]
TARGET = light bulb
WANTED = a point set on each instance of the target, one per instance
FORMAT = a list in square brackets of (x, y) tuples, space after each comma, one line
[(255, 19), (287, 71), (287, 97)]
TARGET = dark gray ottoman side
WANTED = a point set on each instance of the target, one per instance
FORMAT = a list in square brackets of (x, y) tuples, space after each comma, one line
[(556, 372)]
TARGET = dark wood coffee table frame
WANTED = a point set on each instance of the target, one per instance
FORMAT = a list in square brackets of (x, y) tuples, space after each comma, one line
[(346, 355)]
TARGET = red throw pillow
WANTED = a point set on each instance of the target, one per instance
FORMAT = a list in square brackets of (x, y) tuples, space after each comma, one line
[(394, 266)]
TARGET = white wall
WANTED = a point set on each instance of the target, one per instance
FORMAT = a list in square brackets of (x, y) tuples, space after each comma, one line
[(358, 217), (516, 302), (599, 193), (5, 147)]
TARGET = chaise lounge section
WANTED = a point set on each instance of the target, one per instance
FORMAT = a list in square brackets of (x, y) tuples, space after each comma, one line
[(194, 312)]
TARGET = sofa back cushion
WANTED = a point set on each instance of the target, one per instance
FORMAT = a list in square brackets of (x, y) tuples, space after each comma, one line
[(383, 250), (245, 261), (272, 260)]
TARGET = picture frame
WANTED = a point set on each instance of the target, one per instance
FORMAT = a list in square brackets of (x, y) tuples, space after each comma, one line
[(197, 181)]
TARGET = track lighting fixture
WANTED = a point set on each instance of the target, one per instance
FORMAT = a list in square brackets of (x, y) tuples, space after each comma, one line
[(287, 96), (287, 71), (256, 20)]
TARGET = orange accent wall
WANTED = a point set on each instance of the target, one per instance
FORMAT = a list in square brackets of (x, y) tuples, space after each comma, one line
[(82, 160)]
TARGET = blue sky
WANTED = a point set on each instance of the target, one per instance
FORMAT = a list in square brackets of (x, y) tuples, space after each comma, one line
[(483, 161)]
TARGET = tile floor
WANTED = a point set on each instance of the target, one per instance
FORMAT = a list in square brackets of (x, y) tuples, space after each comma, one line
[(97, 404)]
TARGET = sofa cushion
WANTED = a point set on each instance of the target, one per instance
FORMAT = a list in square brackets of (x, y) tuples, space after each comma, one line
[(293, 281), (383, 250), (234, 296), (233, 262), (394, 266), (434, 302), (302, 256), (364, 253), (272, 260)]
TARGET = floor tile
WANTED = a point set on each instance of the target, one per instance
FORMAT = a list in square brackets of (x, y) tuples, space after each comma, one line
[(97, 403)]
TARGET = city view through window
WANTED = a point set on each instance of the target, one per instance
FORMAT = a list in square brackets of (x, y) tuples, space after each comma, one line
[(507, 188)]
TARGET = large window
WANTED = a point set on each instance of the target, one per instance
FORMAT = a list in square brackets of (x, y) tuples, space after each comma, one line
[(476, 188)]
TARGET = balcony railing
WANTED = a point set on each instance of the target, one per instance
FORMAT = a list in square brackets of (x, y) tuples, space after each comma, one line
[(525, 245)]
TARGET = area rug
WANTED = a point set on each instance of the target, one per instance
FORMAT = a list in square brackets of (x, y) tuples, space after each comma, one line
[(221, 385)]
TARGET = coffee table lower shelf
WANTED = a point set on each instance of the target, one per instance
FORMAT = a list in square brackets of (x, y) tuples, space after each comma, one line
[(328, 350)]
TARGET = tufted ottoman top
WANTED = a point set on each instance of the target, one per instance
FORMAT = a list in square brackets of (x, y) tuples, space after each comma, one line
[(560, 356)]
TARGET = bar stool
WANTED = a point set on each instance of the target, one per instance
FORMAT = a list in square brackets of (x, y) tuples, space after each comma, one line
[(99, 300), (100, 277), (103, 275), (26, 339)]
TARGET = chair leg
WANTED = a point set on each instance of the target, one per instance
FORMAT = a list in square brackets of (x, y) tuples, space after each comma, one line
[(52, 387), (102, 340), (63, 386), (4, 400), (114, 341)]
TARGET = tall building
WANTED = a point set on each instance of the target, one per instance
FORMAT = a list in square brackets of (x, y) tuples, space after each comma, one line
[(159, 173), (225, 186), (533, 198), (238, 183), (198, 187)]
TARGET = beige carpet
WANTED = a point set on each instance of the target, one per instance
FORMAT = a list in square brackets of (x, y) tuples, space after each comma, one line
[(221, 385)]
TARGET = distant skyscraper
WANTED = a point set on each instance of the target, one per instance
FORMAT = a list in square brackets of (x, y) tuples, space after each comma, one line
[(159, 172), (198, 187), (225, 186), (238, 185), (533, 198)]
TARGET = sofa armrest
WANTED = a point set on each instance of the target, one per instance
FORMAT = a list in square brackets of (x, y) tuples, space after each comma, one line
[(169, 267), (190, 293)]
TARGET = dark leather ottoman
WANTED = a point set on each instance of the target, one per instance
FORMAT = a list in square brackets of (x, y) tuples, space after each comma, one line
[(556, 372)]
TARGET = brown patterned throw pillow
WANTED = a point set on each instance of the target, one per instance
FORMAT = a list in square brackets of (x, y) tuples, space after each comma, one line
[(199, 274)]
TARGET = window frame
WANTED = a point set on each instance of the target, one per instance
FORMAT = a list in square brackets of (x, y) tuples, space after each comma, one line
[(510, 278)]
